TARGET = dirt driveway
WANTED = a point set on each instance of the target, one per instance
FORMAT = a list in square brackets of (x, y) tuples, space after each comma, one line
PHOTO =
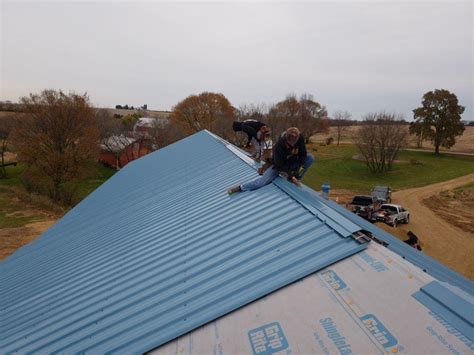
[(440, 239)]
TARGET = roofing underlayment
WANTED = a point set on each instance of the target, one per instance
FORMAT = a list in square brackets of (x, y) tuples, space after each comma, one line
[(161, 249), (361, 305)]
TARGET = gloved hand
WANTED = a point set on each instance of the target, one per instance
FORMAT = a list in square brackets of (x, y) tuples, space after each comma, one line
[(299, 172)]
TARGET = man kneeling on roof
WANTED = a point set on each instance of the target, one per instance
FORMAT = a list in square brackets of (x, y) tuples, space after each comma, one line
[(256, 132), (289, 157)]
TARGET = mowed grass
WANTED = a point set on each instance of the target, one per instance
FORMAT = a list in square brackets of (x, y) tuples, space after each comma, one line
[(13, 176), (85, 187), (10, 216), (14, 221), (335, 165)]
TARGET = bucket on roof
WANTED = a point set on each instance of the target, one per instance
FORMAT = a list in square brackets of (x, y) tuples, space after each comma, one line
[(325, 187)]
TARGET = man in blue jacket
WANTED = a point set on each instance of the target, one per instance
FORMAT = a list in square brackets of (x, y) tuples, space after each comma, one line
[(289, 157)]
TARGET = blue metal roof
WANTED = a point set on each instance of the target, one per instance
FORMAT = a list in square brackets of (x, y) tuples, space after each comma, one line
[(161, 249), (456, 309)]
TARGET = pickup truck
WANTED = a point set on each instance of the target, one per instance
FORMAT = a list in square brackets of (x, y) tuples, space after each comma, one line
[(382, 193), (364, 206), (391, 214)]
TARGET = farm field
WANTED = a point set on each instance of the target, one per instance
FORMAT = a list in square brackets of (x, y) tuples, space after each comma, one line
[(455, 206), (150, 113), (464, 143)]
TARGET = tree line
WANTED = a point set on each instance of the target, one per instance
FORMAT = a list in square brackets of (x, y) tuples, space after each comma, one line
[(56, 135)]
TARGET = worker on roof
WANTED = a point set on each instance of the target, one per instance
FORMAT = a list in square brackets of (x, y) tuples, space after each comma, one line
[(289, 157), (256, 132)]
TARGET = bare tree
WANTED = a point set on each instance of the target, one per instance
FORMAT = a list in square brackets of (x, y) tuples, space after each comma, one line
[(313, 117), (249, 112), (341, 121), (379, 140), (162, 133), (305, 113)]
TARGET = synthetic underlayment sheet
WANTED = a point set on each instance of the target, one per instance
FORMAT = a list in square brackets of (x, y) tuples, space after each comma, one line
[(161, 249), (361, 305)]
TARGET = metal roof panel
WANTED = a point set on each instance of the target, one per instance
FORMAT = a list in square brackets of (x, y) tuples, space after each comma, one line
[(159, 250)]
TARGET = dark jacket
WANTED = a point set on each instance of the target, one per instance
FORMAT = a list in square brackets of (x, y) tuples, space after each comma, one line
[(286, 158), (250, 127)]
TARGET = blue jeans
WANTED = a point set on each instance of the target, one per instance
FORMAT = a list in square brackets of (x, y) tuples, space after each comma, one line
[(271, 174)]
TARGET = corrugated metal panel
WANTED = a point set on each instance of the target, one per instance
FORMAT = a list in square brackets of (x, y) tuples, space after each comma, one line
[(423, 261), (457, 310), (157, 251)]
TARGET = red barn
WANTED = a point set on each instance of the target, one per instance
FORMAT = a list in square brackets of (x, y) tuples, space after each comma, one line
[(118, 151)]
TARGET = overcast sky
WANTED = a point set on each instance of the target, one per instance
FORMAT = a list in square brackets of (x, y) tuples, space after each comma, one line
[(352, 55)]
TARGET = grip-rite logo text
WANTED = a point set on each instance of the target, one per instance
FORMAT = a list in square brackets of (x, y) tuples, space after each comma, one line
[(268, 339), (378, 330), (375, 264), (333, 280)]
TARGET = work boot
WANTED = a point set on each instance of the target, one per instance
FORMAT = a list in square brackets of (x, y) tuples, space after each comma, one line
[(234, 189)]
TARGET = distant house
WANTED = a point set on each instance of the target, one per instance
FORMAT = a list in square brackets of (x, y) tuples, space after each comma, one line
[(145, 126), (118, 151)]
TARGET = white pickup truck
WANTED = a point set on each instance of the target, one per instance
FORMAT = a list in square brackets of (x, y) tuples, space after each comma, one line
[(391, 214)]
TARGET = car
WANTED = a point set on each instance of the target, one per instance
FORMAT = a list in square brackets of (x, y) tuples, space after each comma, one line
[(391, 214), (382, 193), (364, 206)]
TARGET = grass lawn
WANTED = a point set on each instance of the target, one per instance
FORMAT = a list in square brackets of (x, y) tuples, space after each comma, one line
[(13, 221), (85, 187), (13, 176), (9, 215), (334, 164)]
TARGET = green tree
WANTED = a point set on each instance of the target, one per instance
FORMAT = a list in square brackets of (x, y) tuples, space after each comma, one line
[(129, 121), (439, 118)]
